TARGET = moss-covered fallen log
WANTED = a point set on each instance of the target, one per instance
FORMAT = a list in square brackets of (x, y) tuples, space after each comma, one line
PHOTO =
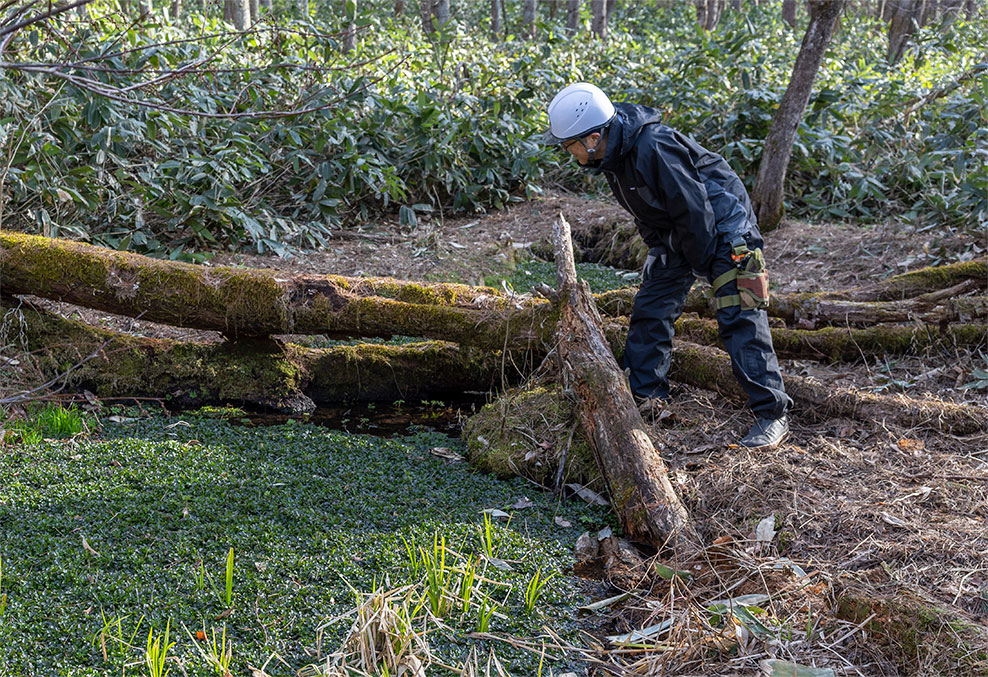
[(254, 302), (812, 309), (847, 344), (707, 367), (260, 372)]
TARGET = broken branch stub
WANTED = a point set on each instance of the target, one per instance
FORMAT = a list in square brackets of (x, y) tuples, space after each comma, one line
[(634, 472)]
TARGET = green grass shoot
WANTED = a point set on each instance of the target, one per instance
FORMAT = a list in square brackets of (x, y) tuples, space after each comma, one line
[(217, 654), (3, 595), (437, 575), (534, 589), (485, 611), (228, 593), (156, 652), (467, 578), (488, 538)]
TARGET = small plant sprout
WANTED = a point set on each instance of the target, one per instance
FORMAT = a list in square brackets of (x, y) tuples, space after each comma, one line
[(488, 537), (157, 652), (485, 611), (534, 590), (3, 595), (217, 654), (412, 554), (228, 596), (437, 575), (467, 578), (56, 421), (113, 629), (200, 576)]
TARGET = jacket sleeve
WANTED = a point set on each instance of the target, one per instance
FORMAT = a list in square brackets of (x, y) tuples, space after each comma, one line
[(670, 170)]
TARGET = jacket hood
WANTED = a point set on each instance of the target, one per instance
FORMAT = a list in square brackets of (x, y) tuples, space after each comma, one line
[(628, 123)]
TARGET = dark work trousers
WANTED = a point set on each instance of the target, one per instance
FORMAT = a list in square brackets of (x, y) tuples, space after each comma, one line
[(666, 279)]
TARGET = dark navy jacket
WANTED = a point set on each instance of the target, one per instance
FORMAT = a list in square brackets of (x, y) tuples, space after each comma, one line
[(682, 195)]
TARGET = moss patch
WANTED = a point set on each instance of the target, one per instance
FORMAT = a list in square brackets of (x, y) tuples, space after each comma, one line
[(525, 431)]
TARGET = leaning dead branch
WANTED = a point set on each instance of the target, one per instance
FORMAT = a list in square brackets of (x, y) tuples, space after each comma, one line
[(634, 472)]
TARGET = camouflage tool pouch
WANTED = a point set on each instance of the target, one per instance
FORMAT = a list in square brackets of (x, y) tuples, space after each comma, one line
[(752, 279), (753, 282)]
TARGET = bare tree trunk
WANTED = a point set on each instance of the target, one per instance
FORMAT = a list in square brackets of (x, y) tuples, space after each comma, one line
[(736, 5), (901, 27), (572, 15), (611, 6), (399, 7), (350, 12), (951, 10), (442, 13), (266, 5), (495, 19), (241, 14), (789, 12), (528, 18), (144, 8), (599, 24), (635, 475), (767, 196), (176, 12), (971, 9), (255, 10), (553, 9), (426, 11), (708, 12)]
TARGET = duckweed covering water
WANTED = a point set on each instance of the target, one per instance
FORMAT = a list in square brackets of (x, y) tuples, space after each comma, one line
[(311, 514)]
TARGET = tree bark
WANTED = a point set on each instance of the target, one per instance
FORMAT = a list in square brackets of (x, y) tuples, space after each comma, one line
[(255, 10), (572, 15), (426, 12), (634, 472), (495, 19), (901, 27), (767, 196), (399, 8), (789, 12), (443, 13), (708, 12), (528, 18), (176, 10), (350, 13), (259, 372), (599, 23), (240, 14)]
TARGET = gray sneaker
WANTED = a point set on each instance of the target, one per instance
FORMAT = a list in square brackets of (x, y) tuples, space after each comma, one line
[(766, 434)]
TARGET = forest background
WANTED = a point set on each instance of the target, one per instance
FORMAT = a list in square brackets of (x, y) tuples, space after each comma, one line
[(164, 130)]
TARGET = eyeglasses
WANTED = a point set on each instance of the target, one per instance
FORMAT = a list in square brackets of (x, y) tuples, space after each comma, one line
[(566, 144)]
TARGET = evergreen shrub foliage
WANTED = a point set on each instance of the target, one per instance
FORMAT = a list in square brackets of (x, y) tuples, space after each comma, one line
[(415, 123)]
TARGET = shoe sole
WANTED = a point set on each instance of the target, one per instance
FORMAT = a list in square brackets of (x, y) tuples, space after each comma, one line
[(771, 446)]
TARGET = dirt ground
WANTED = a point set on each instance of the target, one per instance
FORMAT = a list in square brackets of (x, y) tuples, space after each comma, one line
[(902, 512)]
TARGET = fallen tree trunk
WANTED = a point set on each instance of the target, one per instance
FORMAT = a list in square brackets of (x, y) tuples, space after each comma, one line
[(845, 344), (635, 475), (252, 302), (261, 372), (707, 367), (811, 309)]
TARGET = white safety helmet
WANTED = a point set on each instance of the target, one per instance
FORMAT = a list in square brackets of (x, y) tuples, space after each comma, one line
[(577, 110)]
